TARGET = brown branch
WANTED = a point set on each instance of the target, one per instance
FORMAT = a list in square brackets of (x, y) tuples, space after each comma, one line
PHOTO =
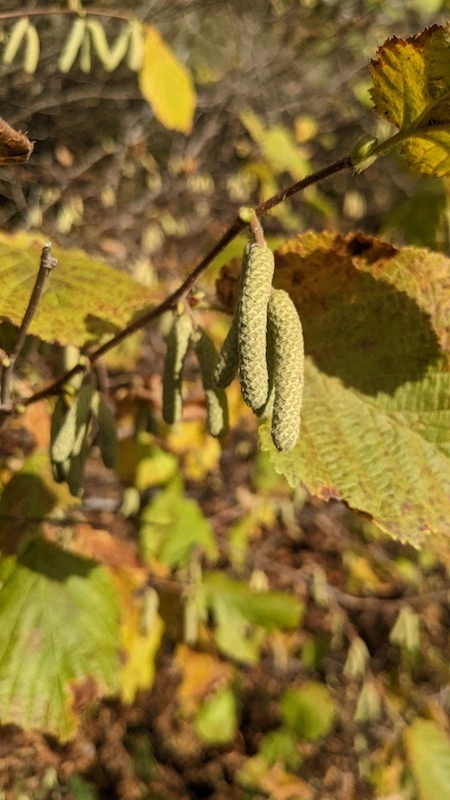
[(171, 301), (67, 12), (46, 265)]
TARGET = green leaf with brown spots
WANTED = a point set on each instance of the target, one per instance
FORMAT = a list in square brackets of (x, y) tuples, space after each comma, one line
[(411, 89)]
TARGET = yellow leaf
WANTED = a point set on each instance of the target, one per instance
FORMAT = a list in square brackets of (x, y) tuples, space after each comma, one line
[(411, 85), (201, 674), (201, 452), (166, 84)]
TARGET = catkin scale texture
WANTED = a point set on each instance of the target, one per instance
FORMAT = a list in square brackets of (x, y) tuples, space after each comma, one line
[(288, 364), (216, 400), (177, 347), (254, 292)]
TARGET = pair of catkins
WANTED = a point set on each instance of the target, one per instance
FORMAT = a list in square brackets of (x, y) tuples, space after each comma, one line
[(265, 343)]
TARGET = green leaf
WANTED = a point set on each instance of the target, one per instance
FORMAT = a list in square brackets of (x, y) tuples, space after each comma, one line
[(172, 526), (310, 711), (59, 648), (237, 609), (411, 89), (428, 751), (85, 300), (166, 84), (376, 411), (216, 720), (281, 746)]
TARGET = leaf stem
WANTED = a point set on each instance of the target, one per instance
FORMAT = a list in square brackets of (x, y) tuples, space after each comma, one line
[(171, 301), (46, 265)]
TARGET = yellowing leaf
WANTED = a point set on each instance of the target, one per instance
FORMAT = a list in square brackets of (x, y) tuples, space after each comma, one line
[(376, 415), (428, 750), (411, 89), (274, 781), (166, 84), (200, 673), (141, 639), (59, 648), (200, 450), (85, 300)]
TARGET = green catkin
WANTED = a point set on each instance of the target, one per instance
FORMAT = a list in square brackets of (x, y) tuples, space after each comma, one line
[(254, 292), (18, 33), (72, 45), (32, 50), (110, 56), (177, 347), (228, 361), (69, 427), (107, 433), (216, 400), (286, 329), (135, 54)]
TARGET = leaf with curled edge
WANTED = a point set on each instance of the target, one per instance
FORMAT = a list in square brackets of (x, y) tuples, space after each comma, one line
[(411, 89)]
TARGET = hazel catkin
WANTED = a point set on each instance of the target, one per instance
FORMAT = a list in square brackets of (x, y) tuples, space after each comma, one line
[(177, 347), (288, 365), (254, 292), (216, 399)]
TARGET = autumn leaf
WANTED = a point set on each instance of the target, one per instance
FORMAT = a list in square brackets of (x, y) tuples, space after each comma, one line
[(375, 428), (166, 84), (85, 300), (428, 751), (60, 641), (411, 89)]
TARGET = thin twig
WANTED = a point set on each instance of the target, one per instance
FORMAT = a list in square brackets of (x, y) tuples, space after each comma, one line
[(171, 301), (68, 12), (45, 267)]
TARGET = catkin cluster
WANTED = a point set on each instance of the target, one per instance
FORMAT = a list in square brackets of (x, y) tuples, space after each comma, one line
[(74, 417), (265, 342), (183, 335)]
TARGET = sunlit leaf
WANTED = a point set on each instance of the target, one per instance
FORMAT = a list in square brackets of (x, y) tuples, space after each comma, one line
[(85, 301), (59, 648), (166, 83), (428, 750), (376, 412), (411, 85)]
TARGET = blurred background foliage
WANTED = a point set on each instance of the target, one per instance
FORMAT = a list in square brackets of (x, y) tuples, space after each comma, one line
[(318, 711)]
